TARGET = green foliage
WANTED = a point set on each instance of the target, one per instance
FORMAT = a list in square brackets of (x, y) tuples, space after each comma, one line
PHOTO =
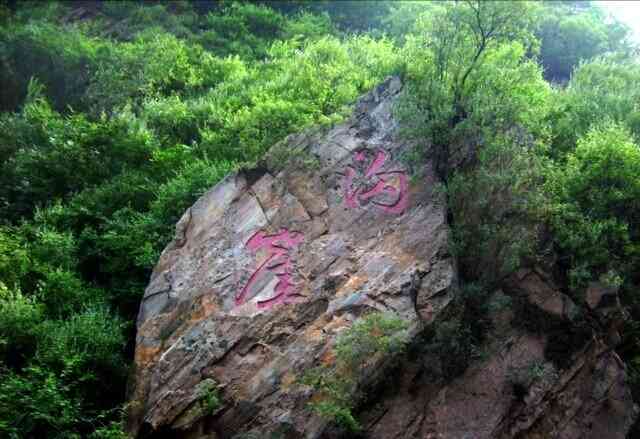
[(19, 319), (370, 338), (605, 88), (90, 343), (282, 155), (571, 32), (453, 343), (483, 106), (76, 372), (154, 64), (14, 257), (124, 20), (374, 334), (37, 403), (596, 203), (113, 430), (53, 155), (512, 93), (209, 396), (353, 15), (244, 29), (568, 32), (402, 16), (340, 414), (25, 52), (451, 53), (497, 205)]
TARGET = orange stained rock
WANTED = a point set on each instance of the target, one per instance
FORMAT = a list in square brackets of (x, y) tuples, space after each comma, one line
[(207, 307), (288, 380), (352, 285), (328, 358), (145, 355)]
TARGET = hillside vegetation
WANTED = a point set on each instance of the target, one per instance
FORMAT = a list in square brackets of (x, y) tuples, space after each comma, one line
[(116, 116)]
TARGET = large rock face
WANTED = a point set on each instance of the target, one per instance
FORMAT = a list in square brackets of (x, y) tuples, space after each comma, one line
[(539, 377), (269, 266)]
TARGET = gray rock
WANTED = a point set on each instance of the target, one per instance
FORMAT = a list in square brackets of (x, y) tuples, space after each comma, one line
[(268, 267), (264, 273)]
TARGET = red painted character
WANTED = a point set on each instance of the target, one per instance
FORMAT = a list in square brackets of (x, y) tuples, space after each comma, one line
[(278, 262), (387, 190)]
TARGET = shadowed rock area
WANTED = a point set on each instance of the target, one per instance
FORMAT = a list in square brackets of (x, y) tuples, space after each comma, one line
[(268, 267), (542, 382)]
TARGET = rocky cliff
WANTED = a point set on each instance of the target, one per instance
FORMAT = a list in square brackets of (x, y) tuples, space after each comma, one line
[(272, 264)]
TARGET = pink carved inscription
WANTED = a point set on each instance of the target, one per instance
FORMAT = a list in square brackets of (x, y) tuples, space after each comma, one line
[(365, 182), (278, 262)]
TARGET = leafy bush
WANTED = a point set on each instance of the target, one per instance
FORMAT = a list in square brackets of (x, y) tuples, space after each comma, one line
[(14, 257), (596, 203), (153, 64), (25, 52), (571, 32), (497, 207), (449, 53), (209, 396), (113, 430), (37, 403), (243, 29), (87, 351), (369, 338), (19, 319), (606, 88), (55, 155), (483, 107)]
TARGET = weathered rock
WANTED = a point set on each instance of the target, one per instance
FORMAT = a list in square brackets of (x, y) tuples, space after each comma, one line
[(514, 392), (540, 292), (269, 266), (601, 296), (605, 303)]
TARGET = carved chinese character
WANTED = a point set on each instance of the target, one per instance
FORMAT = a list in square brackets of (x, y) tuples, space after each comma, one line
[(365, 182), (278, 264)]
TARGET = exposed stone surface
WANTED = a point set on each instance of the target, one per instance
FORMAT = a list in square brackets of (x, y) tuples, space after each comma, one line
[(601, 296), (539, 291), (516, 391), (268, 267)]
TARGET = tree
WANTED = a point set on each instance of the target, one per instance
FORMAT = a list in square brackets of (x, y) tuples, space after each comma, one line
[(571, 32), (605, 88), (596, 205), (444, 52)]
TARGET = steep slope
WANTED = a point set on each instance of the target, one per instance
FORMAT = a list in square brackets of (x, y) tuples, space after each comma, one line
[(269, 266), (542, 374), (272, 264)]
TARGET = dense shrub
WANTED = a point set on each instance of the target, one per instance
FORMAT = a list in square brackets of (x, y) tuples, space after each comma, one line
[(596, 204), (37, 403), (571, 32), (51, 156), (25, 52), (600, 89), (19, 318), (454, 54), (369, 338), (497, 206)]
